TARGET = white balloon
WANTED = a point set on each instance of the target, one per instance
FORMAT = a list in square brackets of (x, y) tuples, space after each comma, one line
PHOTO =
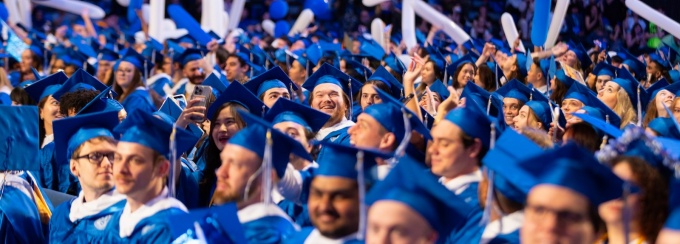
[(13, 10), (650, 14), (510, 30), (556, 22), (235, 15), (378, 31), (123, 3), (157, 21), (268, 26), (25, 13), (74, 7), (436, 18), (408, 25), (174, 34), (303, 20), (146, 12), (211, 19), (371, 3), (225, 20)]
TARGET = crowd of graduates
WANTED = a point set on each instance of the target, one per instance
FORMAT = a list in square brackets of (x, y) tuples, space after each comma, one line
[(311, 138)]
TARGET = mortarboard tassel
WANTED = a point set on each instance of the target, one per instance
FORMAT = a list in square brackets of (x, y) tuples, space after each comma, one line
[(605, 137), (445, 72), (531, 94), (401, 149), (264, 109), (430, 106), (146, 72), (488, 105), (267, 165), (173, 160), (488, 202), (556, 119), (639, 108), (362, 195), (351, 97)]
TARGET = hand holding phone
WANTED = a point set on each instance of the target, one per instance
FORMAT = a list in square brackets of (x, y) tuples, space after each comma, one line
[(199, 98)]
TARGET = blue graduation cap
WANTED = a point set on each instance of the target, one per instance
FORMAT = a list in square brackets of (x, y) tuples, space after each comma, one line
[(143, 128), (381, 74), (451, 68), (411, 184), (314, 53), (83, 46), (107, 54), (72, 132), (581, 54), (439, 87), (653, 57), (509, 177), (581, 93), (273, 78), (186, 21), (564, 78), (254, 138), (515, 89), (665, 127), (603, 68), (575, 168), (329, 74), (395, 63), (364, 71), (542, 110), (483, 100), (102, 103), (189, 55), (674, 88), (216, 83), (46, 86), (474, 123), (80, 80), (599, 124), (285, 110), (237, 93), (19, 128), (217, 219), (137, 60), (390, 114), (651, 92), (343, 163), (174, 50), (371, 49)]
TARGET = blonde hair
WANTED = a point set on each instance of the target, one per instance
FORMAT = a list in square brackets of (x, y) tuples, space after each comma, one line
[(624, 108), (538, 136), (4, 81), (532, 119)]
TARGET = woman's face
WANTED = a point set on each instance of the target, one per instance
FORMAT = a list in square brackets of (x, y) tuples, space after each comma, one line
[(612, 211), (570, 59), (664, 98), (522, 119), (466, 74), (511, 109), (676, 109), (26, 61), (124, 74), (509, 64), (608, 94), (58, 64), (297, 73), (427, 75), (50, 111), (425, 99), (225, 126), (570, 106)]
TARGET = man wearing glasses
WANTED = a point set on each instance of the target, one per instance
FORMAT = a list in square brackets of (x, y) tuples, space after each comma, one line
[(87, 145)]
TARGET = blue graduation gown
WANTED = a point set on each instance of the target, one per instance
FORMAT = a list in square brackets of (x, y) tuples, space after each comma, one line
[(339, 136), (152, 229), (266, 224), (91, 229), (19, 218), (470, 232), (469, 195), (55, 176), (187, 185), (302, 236), (45, 177), (139, 99)]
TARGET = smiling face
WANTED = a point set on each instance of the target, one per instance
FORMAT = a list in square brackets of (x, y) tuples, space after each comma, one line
[(570, 59), (467, 73), (369, 133), (238, 165), (511, 108), (125, 74), (448, 154), (608, 94), (664, 98), (225, 126), (328, 98), (334, 206)]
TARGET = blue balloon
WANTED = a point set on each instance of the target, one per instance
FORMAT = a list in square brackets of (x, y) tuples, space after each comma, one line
[(541, 22), (320, 8), (4, 14), (278, 9), (281, 28)]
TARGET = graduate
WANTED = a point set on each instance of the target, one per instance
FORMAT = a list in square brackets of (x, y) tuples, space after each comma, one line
[(459, 143), (515, 95), (103, 102), (335, 194), (42, 91), (571, 184), (87, 145), (383, 80), (72, 91), (410, 206), (272, 85), (129, 83), (237, 67), (244, 176), (24, 211), (332, 92), (191, 63), (141, 168)]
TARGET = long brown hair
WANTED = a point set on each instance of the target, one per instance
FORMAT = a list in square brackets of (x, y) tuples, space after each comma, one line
[(651, 114), (653, 196), (136, 82), (559, 92)]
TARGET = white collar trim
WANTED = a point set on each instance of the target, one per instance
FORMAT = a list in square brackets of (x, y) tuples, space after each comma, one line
[(128, 220)]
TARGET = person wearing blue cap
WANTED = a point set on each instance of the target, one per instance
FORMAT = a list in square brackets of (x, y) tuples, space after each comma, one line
[(602, 73), (534, 114), (105, 60), (349, 172), (77, 91), (272, 85), (657, 69), (160, 82), (192, 65), (25, 213), (410, 206), (237, 68), (431, 73), (141, 168), (515, 95), (129, 83), (656, 98), (104, 101), (621, 95), (32, 57), (86, 145), (571, 185), (225, 122), (42, 91), (460, 141), (559, 85), (331, 93), (383, 80), (537, 76), (246, 166)]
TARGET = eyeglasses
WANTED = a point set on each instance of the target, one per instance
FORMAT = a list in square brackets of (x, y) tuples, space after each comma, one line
[(97, 157)]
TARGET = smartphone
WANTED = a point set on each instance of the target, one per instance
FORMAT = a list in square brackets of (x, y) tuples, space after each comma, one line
[(202, 92), (181, 101)]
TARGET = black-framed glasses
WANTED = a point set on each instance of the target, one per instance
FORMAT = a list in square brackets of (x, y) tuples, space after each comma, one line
[(97, 157)]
